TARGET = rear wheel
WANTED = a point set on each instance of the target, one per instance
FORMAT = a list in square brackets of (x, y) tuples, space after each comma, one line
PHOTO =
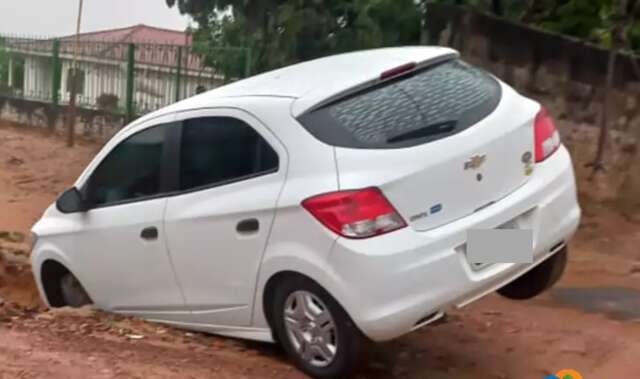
[(538, 280), (315, 331)]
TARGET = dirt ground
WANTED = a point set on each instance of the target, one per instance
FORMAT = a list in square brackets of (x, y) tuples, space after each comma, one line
[(590, 322)]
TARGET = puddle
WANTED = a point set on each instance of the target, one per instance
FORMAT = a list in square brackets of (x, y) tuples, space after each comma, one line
[(618, 302)]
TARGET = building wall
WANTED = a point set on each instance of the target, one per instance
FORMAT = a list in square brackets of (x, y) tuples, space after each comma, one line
[(155, 87), (92, 124), (37, 78), (99, 79)]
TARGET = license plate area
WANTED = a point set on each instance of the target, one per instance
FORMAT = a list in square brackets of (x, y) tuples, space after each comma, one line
[(504, 244)]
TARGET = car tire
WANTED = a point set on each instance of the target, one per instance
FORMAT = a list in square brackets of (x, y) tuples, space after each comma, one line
[(73, 294), (538, 280), (328, 328)]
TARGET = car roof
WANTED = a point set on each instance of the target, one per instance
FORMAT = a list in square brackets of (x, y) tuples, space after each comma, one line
[(313, 81)]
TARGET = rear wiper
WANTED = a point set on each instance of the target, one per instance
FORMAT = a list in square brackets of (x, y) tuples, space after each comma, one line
[(442, 127)]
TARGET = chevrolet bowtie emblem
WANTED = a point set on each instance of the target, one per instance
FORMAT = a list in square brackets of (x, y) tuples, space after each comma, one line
[(475, 162)]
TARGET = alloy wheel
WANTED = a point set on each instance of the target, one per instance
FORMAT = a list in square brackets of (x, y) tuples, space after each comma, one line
[(310, 328)]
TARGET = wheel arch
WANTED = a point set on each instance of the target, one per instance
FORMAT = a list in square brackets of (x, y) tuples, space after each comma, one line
[(269, 291), (51, 272), (279, 276), (277, 267)]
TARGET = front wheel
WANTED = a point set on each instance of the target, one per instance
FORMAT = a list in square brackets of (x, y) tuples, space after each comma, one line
[(315, 331), (538, 280), (73, 294)]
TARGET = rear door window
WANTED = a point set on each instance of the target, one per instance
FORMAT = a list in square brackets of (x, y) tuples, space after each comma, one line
[(424, 106), (220, 150)]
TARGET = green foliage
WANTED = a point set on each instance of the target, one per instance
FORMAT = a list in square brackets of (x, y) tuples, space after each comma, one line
[(579, 18), (281, 32), (633, 34), (234, 35), (4, 65), (17, 66), (591, 20)]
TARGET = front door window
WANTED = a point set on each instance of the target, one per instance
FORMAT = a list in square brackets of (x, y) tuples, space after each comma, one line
[(132, 170)]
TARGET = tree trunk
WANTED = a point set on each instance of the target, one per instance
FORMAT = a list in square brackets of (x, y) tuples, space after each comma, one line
[(598, 163), (617, 42), (497, 7), (532, 10)]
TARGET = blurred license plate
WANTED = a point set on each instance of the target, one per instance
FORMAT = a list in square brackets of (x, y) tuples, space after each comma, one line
[(489, 246)]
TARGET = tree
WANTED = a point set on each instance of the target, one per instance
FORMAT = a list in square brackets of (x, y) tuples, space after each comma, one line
[(619, 22), (281, 32)]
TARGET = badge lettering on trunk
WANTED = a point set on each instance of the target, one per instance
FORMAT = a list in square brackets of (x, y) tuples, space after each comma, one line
[(475, 162), (528, 165)]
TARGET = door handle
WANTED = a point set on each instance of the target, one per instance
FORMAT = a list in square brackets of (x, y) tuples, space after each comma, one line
[(150, 233), (250, 225)]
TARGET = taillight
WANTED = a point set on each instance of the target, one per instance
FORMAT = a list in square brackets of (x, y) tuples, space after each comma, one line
[(547, 138), (355, 214)]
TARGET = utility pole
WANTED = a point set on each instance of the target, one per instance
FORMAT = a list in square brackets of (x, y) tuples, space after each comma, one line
[(71, 121)]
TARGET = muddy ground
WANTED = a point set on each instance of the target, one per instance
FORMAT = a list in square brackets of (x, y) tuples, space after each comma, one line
[(590, 322)]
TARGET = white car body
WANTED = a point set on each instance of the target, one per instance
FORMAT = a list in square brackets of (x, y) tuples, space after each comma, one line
[(202, 275)]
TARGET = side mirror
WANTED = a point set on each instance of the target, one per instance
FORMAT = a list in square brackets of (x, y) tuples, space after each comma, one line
[(71, 201)]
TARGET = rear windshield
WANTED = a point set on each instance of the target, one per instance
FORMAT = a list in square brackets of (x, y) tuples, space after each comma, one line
[(428, 105)]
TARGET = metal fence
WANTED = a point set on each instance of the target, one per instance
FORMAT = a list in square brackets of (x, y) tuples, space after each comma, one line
[(121, 78)]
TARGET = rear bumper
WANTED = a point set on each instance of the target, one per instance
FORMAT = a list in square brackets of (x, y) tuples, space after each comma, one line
[(389, 284)]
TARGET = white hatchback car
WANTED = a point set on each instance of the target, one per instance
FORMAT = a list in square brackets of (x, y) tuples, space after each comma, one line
[(321, 205)]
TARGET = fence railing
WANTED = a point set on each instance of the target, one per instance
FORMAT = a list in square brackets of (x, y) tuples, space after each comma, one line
[(120, 78)]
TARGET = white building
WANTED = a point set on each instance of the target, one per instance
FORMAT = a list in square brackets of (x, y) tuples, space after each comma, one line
[(103, 68)]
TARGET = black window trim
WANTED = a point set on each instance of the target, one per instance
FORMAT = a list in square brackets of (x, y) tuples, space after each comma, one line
[(176, 162), (165, 179), (170, 171)]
